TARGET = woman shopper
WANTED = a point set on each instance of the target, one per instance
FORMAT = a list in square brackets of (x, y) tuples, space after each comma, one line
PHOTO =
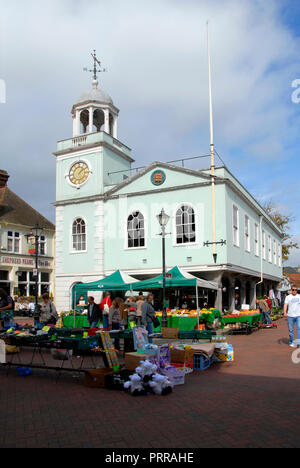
[(114, 318), (140, 301), (105, 306), (148, 314), (265, 311), (49, 314)]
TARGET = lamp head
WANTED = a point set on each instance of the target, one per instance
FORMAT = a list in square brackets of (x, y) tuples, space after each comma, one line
[(163, 218)]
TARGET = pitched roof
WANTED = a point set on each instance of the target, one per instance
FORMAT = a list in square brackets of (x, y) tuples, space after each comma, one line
[(294, 278), (23, 214), (154, 165)]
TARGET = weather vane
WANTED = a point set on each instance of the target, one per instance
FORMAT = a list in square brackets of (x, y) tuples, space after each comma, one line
[(97, 66)]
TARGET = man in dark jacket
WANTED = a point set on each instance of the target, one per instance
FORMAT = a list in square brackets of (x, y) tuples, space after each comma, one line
[(94, 313)]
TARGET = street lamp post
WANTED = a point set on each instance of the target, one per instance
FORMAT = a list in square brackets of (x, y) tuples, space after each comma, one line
[(35, 233), (163, 220)]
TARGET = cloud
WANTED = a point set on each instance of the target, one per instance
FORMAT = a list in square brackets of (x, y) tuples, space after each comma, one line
[(155, 53)]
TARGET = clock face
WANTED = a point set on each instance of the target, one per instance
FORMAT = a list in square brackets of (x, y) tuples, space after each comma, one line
[(79, 173)]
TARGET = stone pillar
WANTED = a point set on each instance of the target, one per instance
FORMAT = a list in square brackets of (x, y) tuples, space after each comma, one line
[(219, 296), (91, 119), (106, 121), (231, 293), (243, 292), (77, 123), (253, 295), (115, 127)]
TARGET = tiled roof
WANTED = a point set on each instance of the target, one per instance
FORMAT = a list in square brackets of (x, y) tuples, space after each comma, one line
[(294, 278), (23, 214)]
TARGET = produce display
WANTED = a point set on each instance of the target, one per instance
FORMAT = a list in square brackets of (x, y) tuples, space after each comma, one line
[(245, 313), (186, 312)]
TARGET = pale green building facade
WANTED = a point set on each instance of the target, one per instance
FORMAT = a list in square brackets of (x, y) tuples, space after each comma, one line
[(106, 217)]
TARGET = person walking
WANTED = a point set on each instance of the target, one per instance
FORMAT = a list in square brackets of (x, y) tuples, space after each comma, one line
[(148, 314), (49, 315), (132, 311), (114, 319), (94, 313), (7, 304), (265, 311), (105, 306), (292, 313), (139, 304)]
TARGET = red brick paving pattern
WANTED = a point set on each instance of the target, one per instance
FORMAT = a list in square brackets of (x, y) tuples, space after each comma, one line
[(253, 402)]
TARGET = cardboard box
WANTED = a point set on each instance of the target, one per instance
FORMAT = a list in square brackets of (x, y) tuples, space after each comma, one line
[(182, 355), (95, 378), (132, 360), (171, 333), (225, 355)]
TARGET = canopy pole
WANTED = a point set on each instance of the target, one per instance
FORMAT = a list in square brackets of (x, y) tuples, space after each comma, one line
[(197, 302), (74, 318)]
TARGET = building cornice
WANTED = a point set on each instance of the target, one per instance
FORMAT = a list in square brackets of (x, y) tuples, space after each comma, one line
[(98, 144)]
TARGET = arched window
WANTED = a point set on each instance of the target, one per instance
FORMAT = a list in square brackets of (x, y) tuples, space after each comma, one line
[(79, 235), (185, 225), (136, 230)]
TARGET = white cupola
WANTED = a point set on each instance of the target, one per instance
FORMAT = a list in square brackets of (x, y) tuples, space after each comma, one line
[(95, 110)]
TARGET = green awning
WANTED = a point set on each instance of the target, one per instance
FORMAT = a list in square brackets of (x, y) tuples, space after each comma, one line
[(118, 281), (175, 278)]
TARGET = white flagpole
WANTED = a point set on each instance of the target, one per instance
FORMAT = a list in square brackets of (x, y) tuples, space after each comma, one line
[(212, 152)]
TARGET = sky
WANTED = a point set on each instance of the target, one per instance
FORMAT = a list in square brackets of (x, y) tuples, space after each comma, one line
[(155, 53)]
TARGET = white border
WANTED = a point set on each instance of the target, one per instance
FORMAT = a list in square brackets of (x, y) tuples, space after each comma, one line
[(78, 252), (197, 233)]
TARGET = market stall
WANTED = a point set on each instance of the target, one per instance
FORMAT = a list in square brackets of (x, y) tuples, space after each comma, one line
[(176, 278), (250, 319), (118, 281)]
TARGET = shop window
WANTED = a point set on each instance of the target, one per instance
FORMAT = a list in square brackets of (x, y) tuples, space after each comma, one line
[(136, 230), (79, 235), (13, 242), (185, 225), (45, 277)]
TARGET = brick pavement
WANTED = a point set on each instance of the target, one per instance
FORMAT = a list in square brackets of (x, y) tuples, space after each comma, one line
[(253, 402)]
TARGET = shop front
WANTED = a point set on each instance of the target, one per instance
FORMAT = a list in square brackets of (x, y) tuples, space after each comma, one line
[(17, 275)]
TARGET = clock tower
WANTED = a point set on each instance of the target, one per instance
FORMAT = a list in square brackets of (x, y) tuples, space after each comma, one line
[(87, 165)]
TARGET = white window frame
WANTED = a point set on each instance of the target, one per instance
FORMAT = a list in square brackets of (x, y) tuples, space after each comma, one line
[(126, 228), (44, 243), (184, 244), (279, 255), (13, 238), (275, 252), (256, 239), (264, 250), (270, 249), (72, 250), (236, 228), (247, 234)]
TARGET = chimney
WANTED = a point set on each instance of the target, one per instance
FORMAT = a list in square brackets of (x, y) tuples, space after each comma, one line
[(3, 184), (3, 178)]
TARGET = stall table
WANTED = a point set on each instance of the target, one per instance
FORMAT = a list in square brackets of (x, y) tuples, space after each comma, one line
[(249, 320)]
